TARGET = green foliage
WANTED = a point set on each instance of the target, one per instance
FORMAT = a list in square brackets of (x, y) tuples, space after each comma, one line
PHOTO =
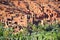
[(39, 32)]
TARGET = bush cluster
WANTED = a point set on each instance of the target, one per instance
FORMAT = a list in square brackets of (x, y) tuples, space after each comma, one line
[(32, 32)]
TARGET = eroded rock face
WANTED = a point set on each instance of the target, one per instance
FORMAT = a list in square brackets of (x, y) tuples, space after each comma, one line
[(17, 13)]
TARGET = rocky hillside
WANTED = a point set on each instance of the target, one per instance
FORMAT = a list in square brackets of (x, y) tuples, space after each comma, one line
[(18, 13)]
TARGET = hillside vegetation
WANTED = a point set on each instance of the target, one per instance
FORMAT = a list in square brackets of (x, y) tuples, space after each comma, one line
[(29, 19)]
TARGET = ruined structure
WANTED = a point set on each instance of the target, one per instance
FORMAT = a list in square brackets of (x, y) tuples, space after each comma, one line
[(18, 13)]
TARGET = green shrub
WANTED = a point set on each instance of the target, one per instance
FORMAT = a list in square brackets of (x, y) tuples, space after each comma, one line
[(39, 32)]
